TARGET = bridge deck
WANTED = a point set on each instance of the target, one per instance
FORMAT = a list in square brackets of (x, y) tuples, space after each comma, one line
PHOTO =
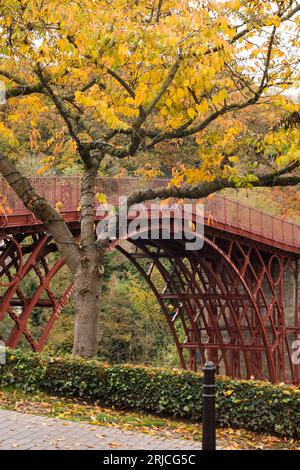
[(220, 212)]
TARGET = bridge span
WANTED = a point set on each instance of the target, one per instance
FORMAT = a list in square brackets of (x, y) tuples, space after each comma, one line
[(235, 301)]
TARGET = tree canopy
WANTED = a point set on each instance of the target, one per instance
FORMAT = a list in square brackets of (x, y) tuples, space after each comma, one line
[(120, 78), (126, 76)]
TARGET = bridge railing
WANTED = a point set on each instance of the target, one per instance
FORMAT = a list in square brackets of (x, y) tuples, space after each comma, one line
[(66, 191), (235, 214)]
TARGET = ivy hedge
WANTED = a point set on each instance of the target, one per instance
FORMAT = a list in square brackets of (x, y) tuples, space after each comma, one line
[(257, 406)]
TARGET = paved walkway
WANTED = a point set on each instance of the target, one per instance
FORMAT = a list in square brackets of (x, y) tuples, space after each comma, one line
[(24, 431)]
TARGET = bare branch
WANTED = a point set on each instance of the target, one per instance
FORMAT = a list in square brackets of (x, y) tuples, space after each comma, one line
[(264, 79), (159, 6), (285, 16)]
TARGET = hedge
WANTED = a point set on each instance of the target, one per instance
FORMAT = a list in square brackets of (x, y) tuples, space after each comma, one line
[(254, 405)]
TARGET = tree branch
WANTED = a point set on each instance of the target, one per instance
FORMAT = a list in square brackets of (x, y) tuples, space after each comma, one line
[(13, 78), (63, 113), (170, 77), (206, 188), (122, 82), (43, 210), (264, 79), (184, 132), (137, 135), (180, 132), (23, 90), (289, 13)]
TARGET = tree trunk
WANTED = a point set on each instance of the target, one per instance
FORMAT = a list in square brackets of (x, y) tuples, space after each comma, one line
[(87, 296), (89, 274), (85, 260)]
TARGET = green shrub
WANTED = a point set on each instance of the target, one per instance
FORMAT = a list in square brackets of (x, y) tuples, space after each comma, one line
[(253, 405)]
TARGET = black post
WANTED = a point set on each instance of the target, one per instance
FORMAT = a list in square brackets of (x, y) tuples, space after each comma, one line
[(209, 407)]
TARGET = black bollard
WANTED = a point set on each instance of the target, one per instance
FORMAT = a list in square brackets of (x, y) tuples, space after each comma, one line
[(209, 407)]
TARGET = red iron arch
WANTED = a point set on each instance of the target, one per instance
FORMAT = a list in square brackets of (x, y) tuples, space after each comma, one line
[(224, 302), (22, 260), (201, 301)]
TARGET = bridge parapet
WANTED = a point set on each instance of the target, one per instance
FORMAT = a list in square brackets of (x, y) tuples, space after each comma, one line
[(220, 212)]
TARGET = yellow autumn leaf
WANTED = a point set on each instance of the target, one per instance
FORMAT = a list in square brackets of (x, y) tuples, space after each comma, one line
[(140, 94), (222, 95), (202, 107), (234, 159), (101, 198), (58, 205), (191, 113), (180, 93)]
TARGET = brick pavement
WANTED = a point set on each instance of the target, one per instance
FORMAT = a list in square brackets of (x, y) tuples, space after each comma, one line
[(25, 431)]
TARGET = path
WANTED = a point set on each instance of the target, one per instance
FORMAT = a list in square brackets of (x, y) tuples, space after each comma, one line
[(24, 431)]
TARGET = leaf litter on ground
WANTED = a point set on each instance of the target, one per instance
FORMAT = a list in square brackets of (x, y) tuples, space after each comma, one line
[(97, 415)]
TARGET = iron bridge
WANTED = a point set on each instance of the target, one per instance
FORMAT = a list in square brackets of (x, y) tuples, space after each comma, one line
[(235, 301)]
